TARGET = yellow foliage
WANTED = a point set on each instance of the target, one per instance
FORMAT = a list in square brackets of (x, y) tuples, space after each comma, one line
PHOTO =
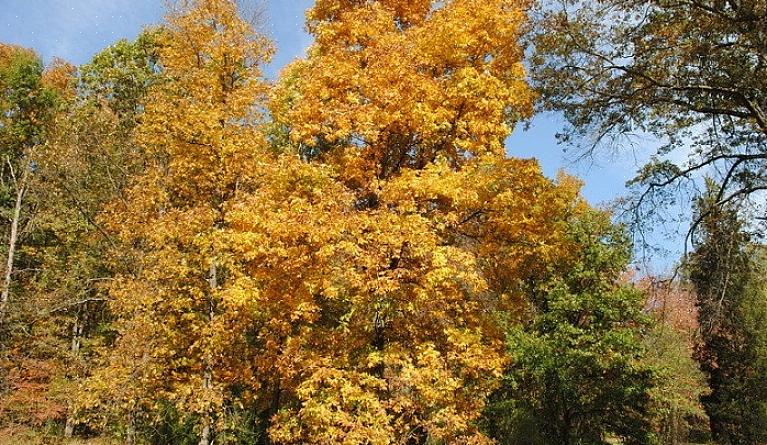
[(184, 311), (395, 84), (407, 103), (354, 283)]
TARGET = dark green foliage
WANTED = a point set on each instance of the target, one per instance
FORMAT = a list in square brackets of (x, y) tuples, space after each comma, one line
[(728, 272), (26, 106), (577, 375), (679, 384), (170, 426)]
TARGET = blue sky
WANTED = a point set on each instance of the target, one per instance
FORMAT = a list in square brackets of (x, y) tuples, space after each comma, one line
[(77, 29)]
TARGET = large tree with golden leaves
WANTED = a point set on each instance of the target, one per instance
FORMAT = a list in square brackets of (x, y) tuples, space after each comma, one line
[(396, 336), (347, 285), (396, 84)]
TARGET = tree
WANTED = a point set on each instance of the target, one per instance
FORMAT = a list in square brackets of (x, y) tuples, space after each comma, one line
[(87, 161), (81, 160), (406, 104), (198, 130), (670, 351), (391, 309), (120, 75), (29, 359), (726, 269), (577, 372), (690, 72), (25, 109)]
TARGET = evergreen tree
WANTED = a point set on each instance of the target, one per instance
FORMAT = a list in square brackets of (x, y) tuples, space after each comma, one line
[(728, 272)]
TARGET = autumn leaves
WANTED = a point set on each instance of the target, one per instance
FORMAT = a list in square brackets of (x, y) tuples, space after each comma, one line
[(339, 265)]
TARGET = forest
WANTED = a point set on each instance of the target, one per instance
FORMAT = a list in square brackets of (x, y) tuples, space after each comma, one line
[(194, 253)]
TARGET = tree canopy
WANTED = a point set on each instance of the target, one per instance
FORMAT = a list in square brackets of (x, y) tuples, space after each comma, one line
[(690, 73)]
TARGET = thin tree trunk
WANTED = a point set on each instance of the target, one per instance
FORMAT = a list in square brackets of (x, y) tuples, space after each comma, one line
[(674, 427), (206, 420), (207, 380), (77, 332), (130, 434), (69, 428), (21, 188)]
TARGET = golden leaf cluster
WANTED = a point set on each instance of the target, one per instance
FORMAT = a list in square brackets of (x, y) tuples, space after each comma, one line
[(350, 281)]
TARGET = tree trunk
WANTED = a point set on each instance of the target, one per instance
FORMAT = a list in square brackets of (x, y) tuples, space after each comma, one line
[(674, 427), (21, 188), (207, 380), (205, 434), (77, 332), (130, 434), (69, 428)]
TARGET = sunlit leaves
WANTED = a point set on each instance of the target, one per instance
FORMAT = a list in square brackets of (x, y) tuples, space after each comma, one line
[(390, 85)]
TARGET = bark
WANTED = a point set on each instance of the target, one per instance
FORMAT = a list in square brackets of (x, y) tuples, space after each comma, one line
[(205, 434), (69, 428), (207, 380), (77, 331), (674, 427), (130, 434), (21, 188)]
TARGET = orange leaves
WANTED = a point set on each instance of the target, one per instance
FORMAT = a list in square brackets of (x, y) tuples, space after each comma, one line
[(397, 84), (350, 280), (33, 397), (60, 77)]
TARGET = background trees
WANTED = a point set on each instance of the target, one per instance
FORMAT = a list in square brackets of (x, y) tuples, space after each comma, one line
[(30, 358), (689, 72), (26, 108), (727, 272), (577, 372), (347, 256)]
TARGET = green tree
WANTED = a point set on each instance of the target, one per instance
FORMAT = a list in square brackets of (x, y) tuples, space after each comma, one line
[(88, 161), (82, 155), (670, 345), (728, 272), (120, 75), (577, 374), (31, 96), (26, 106)]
